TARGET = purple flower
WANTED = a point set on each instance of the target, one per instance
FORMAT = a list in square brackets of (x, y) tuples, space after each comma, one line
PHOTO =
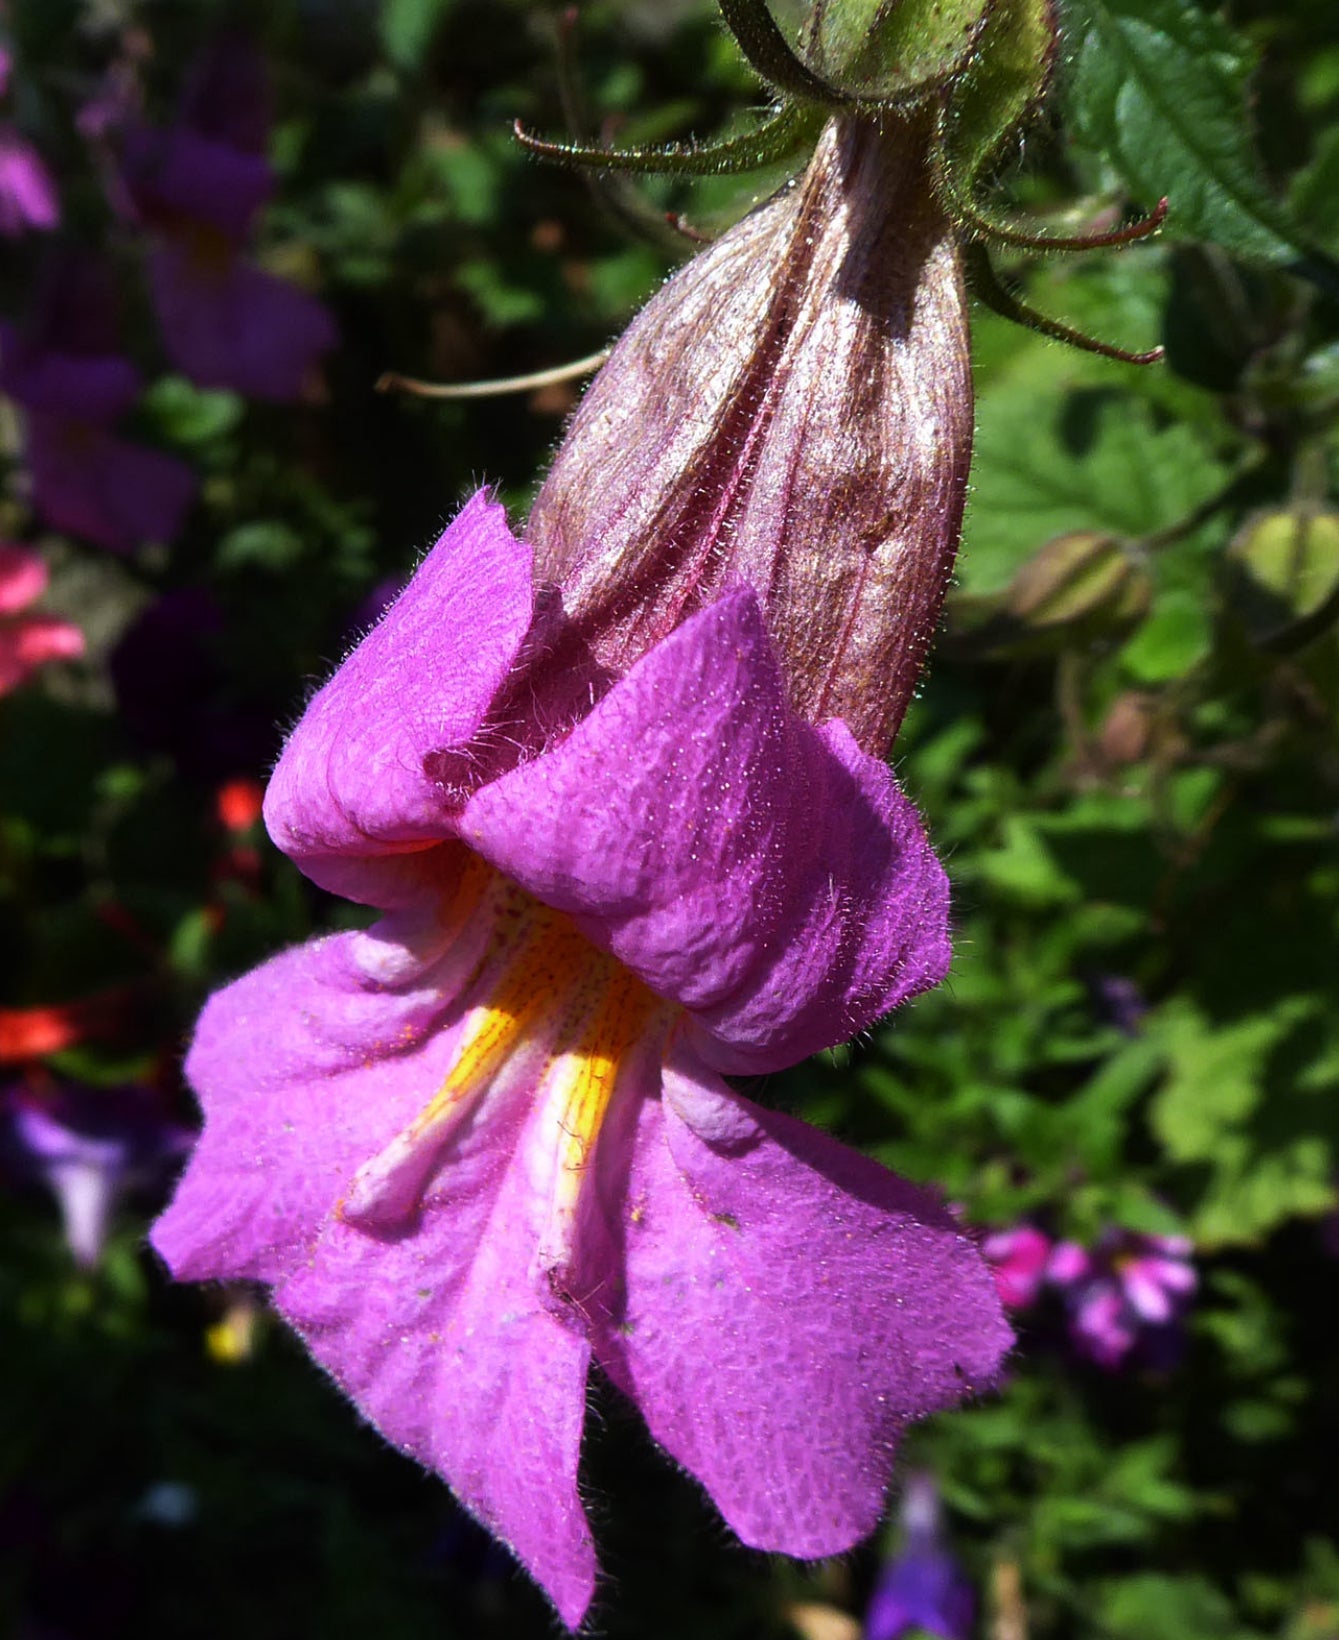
[(1125, 1298), (923, 1588), (199, 187), (488, 1141), (74, 386), (89, 1149), (1018, 1258)]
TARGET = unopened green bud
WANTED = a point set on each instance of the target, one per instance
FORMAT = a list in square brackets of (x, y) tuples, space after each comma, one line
[(1086, 577), (1286, 580)]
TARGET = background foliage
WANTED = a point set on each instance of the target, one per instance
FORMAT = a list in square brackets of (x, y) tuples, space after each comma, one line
[(1126, 748)]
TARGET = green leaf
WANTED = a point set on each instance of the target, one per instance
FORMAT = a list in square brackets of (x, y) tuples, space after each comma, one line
[(407, 27), (1160, 88), (1174, 639), (191, 415), (1087, 461), (1235, 1106)]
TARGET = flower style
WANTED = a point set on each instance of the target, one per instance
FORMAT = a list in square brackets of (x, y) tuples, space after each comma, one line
[(74, 387), (1125, 1297), (199, 187), (488, 1141), (28, 641), (923, 1588)]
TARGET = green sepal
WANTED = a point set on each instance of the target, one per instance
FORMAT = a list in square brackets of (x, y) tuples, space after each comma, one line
[(985, 286), (982, 222), (896, 50), (770, 56), (1008, 75), (786, 132)]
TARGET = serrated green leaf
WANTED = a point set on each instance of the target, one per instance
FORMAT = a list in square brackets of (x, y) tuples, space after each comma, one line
[(1161, 88), (1090, 461)]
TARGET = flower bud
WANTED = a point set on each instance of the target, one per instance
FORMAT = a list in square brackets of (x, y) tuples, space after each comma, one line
[(792, 411), (1284, 574), (1085, 578)]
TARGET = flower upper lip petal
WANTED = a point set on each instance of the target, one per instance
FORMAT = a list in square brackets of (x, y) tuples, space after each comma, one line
[(725, 850), (351, 782)]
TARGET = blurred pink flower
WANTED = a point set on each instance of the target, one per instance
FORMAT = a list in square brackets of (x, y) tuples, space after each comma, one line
[(1126, 1296), (28, 197), (1018, 1258), (28, 641)]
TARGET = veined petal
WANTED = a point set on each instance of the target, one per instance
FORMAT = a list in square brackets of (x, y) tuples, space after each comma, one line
[(452, 1352), (306, 1067), (351, 787), (790, 1307), (767, 875)]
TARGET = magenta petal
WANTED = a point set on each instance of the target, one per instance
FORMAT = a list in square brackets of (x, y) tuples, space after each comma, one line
[(227, 324), (790, 1307), (352, 783), (114, 493), (30, 641), (305, 1068), (443, 1341), (767, 875)]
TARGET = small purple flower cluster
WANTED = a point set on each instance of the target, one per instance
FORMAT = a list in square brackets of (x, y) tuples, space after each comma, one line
[(1124, 1299)]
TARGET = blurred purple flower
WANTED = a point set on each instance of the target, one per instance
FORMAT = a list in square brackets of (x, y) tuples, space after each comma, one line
[(177, 692), (65, 373), (1118, 1000), (922, 1587), (1018, 1258), (1126, 1297), (90, 1148), (487, 1143), (198, 186)]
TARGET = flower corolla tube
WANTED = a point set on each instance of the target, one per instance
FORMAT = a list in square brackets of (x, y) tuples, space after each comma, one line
[(489, 1142)]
